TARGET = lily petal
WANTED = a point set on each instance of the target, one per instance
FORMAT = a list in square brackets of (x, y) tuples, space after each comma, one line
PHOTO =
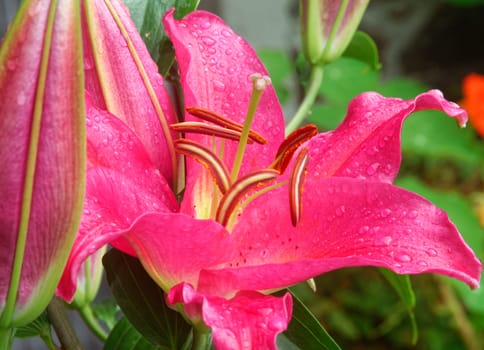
[(174, 247), (122, 185), (367, 145), (122, 78), (250, 320), (42, 149), (345, 222), (215, 69)]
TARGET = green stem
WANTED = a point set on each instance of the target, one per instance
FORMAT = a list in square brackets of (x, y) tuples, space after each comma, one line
[(201, 340), (5, 338), (312, 92), (60, 321), (92, 322)]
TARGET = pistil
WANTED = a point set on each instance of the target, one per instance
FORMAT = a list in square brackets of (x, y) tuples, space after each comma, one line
[(260, 83)]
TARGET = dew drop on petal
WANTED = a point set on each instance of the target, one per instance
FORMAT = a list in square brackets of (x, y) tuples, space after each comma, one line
[(403, 258), (364, 229), (372, 169), (383, 241), (385, 213)]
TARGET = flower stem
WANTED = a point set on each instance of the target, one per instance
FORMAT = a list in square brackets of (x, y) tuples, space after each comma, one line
[(5, 338), (201, 340), (312, 92), (92, 322), (58, 316)]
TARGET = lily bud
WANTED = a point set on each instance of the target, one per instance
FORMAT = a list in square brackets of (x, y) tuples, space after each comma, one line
[(327, 27), (42, 152)]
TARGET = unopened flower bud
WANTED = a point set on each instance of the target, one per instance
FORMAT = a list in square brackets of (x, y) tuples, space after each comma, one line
[(327, 27)]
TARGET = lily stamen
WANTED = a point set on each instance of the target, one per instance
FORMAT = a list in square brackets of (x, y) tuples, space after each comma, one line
[(296, 185), (210, 161), (224, 122), (260, 83), (291, 144), (207, 129), (239, 189)]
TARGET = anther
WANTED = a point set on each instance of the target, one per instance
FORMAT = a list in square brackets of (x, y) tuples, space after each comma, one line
[(209, 160), (239, 189), (224, 122), (207, 129), (296, 183), (291, 144)]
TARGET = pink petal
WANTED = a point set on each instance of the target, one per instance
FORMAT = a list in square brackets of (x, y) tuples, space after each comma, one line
[(113, 145), (215, 68), (58, 178), (116, 82), (250, 320), (113, 204), (122, 185), (367, 145), (174, 247), (345, 222)]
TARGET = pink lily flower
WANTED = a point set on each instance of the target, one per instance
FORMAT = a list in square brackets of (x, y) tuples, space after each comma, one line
[(42, 148), (289, 211)]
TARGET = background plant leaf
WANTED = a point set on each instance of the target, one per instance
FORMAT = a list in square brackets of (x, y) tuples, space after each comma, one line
[(143, 301), (363, 48), (304, 331), (147, 15), (125, 337)]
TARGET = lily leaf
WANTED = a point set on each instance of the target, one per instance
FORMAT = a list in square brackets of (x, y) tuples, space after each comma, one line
[(304, 330), (125, 337), (403, 287), (147, 15), (363, 48), (143, 301)]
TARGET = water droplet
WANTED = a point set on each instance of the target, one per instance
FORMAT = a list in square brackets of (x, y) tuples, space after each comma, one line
[(364, 229), (385, 212), (403, 258), (218, 86), (431, 252), (412, 214), (372, 169), (21, 98), (422, 263), (263, 253), (208, 41), (383, 241), (205, 25), (340, 210), (276, 324)]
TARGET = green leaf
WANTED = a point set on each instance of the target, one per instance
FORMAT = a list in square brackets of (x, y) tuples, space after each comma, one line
[(363, 48), (304, 331), (143, 301), (279, 65), (38, 327), (107, 311), (327, 116), (147, 15), (125, 337), (460, 212), (345, 78), (403, 287)]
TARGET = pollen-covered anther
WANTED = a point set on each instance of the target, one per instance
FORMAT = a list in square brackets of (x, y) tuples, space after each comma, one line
[(239, 189), (210, 161), (260, 82), (290, 145), (224, 122), (296, 183)]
